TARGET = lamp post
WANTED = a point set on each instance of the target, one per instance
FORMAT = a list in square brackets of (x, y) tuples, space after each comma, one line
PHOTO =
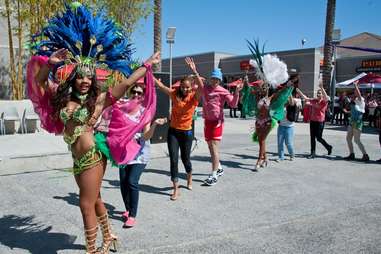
[(335, 41), (170, 40)]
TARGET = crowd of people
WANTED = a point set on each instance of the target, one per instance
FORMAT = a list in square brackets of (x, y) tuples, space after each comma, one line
[(372, 113), (104, 108)]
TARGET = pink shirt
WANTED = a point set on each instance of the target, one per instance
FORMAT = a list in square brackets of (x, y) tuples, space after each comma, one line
[(213, 102), (317, 113)]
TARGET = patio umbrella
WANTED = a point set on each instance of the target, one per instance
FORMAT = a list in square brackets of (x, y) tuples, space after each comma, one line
[(366, 80)]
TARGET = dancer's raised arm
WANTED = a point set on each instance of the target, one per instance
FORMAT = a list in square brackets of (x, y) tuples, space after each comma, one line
[(324, 93), (193, 67), (302, 94), (55, 58), (119, 90), (162, 87), (357, 90)]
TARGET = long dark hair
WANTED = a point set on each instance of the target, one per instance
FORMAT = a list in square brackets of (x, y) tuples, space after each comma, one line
[(65, 93)]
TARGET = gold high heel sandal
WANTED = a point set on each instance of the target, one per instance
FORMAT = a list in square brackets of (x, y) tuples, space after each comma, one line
[(91, 239), (264, 163), (110, 241)]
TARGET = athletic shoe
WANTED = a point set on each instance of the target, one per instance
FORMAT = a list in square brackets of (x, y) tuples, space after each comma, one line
[(210, 181), (311, 156), (125, 215), (130, 222), (220, 172)]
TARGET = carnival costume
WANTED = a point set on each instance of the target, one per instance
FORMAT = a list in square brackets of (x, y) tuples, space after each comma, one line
[(97, 47), (268, 110)]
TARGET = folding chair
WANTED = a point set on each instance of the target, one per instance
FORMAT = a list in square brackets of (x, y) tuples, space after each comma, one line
[(10, 116), (2, 128), (29, 120)]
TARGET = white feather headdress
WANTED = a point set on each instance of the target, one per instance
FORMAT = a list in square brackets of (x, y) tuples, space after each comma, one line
[(269, 68)]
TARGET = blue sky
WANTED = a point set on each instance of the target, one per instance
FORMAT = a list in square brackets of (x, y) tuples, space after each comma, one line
[(223, 25)]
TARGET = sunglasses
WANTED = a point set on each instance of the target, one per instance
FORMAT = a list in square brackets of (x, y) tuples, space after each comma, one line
[(136, 92)]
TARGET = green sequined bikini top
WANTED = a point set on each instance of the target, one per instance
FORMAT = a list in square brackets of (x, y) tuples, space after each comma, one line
[(79, 115)]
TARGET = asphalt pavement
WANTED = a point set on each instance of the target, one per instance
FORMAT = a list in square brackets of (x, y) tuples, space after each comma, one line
[(324, 205)]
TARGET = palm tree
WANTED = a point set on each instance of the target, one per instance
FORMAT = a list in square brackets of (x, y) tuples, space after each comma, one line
[(328, 48), (157, 31)]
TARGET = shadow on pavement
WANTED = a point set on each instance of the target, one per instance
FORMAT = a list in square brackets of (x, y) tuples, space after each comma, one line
[(182, 175), (23, 233), (366, 129), (73, 199), (243, 156), (142, 187), (230, 164)]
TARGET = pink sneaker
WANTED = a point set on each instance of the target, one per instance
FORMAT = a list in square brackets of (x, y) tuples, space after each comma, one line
[(130, 222), (125, 215)]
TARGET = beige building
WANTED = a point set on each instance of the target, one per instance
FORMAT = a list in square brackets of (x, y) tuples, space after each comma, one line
[(306, 62)]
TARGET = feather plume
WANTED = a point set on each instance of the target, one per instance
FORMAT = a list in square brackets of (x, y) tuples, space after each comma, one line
[(89, 36), (267, 67), (257, 55), (275, 70)]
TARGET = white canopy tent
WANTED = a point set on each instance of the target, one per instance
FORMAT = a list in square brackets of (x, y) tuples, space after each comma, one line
[(349, 83)]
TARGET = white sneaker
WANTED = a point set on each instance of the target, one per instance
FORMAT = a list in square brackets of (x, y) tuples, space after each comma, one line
[(210, 181)]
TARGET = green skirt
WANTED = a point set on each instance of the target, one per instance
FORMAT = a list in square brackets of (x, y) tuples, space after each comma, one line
[(101, 145)]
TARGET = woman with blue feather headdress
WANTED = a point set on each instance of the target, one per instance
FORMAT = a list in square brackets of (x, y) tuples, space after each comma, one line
[(80, 66)]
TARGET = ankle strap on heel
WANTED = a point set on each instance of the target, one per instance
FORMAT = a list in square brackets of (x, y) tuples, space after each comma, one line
[(91, 239)]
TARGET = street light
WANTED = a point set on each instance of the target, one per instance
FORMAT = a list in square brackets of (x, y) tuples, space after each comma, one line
[(170, 40), (336, 34), (304, 40)]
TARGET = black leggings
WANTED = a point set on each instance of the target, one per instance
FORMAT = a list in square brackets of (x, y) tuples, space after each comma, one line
[(316, 133), (183, 139)]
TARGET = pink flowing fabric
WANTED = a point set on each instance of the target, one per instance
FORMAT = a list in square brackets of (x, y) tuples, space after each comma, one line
[(122, 130), (41, 97)]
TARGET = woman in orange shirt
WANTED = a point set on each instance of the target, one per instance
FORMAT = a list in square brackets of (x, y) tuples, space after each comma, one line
[(180, 135)]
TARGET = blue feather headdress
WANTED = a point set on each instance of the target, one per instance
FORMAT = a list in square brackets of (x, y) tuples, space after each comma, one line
[(93, 40)]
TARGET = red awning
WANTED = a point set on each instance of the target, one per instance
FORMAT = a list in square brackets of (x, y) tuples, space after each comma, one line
[(370, 78)]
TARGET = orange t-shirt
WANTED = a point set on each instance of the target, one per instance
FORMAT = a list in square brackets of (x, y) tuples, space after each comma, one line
[(182, 111)]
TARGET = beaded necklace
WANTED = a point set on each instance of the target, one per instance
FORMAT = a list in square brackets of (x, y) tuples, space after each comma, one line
[(80, 97)]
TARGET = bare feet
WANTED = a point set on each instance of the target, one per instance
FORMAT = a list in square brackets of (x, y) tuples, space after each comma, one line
[(189, 181), (175, 193)]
